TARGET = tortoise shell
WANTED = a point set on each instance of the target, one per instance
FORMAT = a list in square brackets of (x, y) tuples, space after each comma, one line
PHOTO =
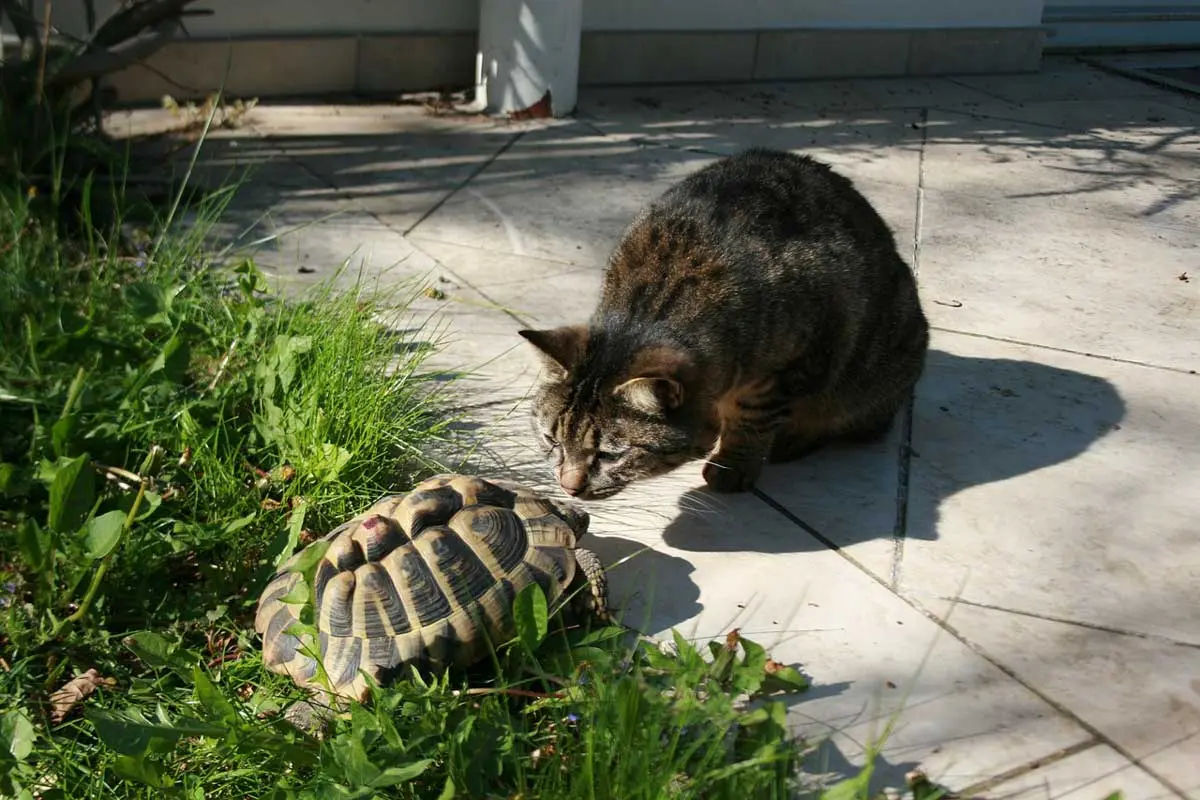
[(425, 578)]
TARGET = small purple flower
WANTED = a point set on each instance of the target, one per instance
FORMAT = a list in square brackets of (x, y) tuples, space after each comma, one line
[(572, 718), (9, 588)]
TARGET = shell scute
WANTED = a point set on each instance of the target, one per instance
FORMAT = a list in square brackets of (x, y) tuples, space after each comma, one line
[(424, 579)]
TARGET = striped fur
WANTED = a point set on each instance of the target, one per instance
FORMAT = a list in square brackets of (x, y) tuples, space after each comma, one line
[(754, 312)]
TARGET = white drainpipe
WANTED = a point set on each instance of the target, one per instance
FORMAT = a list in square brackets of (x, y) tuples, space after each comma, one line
[(528, 59)]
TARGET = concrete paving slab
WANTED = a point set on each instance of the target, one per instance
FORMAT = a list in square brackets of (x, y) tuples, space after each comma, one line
[(397, 177), (1096, 773), (881, 93), (875, 142), (563, 195), (1156, 122), (1026, 270), (536, 292), (1139, 692), (567, 195), (849, 495), (1113, 169), (1056, 485), (1062, 80)]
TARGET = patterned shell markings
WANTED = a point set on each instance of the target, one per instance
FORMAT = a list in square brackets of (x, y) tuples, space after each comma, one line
[(427, 578)]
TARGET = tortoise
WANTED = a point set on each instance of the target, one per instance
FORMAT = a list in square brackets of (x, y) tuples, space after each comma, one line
[(427, 579)]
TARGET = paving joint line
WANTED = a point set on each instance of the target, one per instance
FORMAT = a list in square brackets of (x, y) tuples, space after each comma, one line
[(904, 454), (407, 232), (1044, 697), (575, 265), (1058, 707), (1061, 754), (1095, 626), (487, 162), (1068, 350)]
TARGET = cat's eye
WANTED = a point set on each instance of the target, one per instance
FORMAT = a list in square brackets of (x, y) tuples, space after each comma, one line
[(604, 455)]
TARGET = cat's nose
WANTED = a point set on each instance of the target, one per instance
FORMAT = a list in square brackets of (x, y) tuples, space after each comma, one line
[(573, 480)]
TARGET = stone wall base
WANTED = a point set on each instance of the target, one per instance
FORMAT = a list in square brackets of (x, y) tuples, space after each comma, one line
[(381, 64)]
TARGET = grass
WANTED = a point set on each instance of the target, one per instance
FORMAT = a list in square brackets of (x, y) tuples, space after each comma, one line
[(170, 431)]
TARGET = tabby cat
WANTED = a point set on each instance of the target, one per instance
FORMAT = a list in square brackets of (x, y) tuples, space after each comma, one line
[(755, 311)]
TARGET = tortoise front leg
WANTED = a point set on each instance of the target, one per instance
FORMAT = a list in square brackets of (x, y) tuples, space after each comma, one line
[(592, 600)]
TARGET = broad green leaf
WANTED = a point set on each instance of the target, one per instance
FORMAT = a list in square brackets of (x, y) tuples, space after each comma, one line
[(598, 657), (148, 301), (748, 675), (530, 614), (7, 472), (307, 559), (71, 495), (130, 733), (351, 756), (17, 734), (393, 776), (286, 350), (151, 648), (239, 523), (604, 634), (61, 433), (448, 790), (213, 701), (34, 543), (292, 537), (104, 534), (142, 770), (150, 502), (173, 359), (783, 679), (329, 464)]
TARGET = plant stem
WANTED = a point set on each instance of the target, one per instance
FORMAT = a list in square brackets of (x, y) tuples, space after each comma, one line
[(102, 570), (41, 73)]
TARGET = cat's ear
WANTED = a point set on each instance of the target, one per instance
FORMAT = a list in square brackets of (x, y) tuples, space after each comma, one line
[(560, 347), (656, 380)]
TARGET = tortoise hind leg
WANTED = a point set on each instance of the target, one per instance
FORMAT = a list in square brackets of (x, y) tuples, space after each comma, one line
[(593, 599)]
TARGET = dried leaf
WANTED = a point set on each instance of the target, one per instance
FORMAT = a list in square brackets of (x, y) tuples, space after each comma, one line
[(732, 638), (75, 692)]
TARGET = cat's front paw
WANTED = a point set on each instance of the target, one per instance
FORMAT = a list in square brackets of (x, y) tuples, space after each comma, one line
[(722, 478)]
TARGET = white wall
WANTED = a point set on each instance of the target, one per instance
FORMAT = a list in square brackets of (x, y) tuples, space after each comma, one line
[(314, 17), (309, 17), (634, 15)]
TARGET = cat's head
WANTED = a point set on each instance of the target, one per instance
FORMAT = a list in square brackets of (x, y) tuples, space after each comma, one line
[(604, 418)]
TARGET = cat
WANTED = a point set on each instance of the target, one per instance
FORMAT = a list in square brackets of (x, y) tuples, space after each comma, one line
[(755, 311)]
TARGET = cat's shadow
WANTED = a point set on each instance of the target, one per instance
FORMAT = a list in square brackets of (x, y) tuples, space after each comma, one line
[(975, 421)]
